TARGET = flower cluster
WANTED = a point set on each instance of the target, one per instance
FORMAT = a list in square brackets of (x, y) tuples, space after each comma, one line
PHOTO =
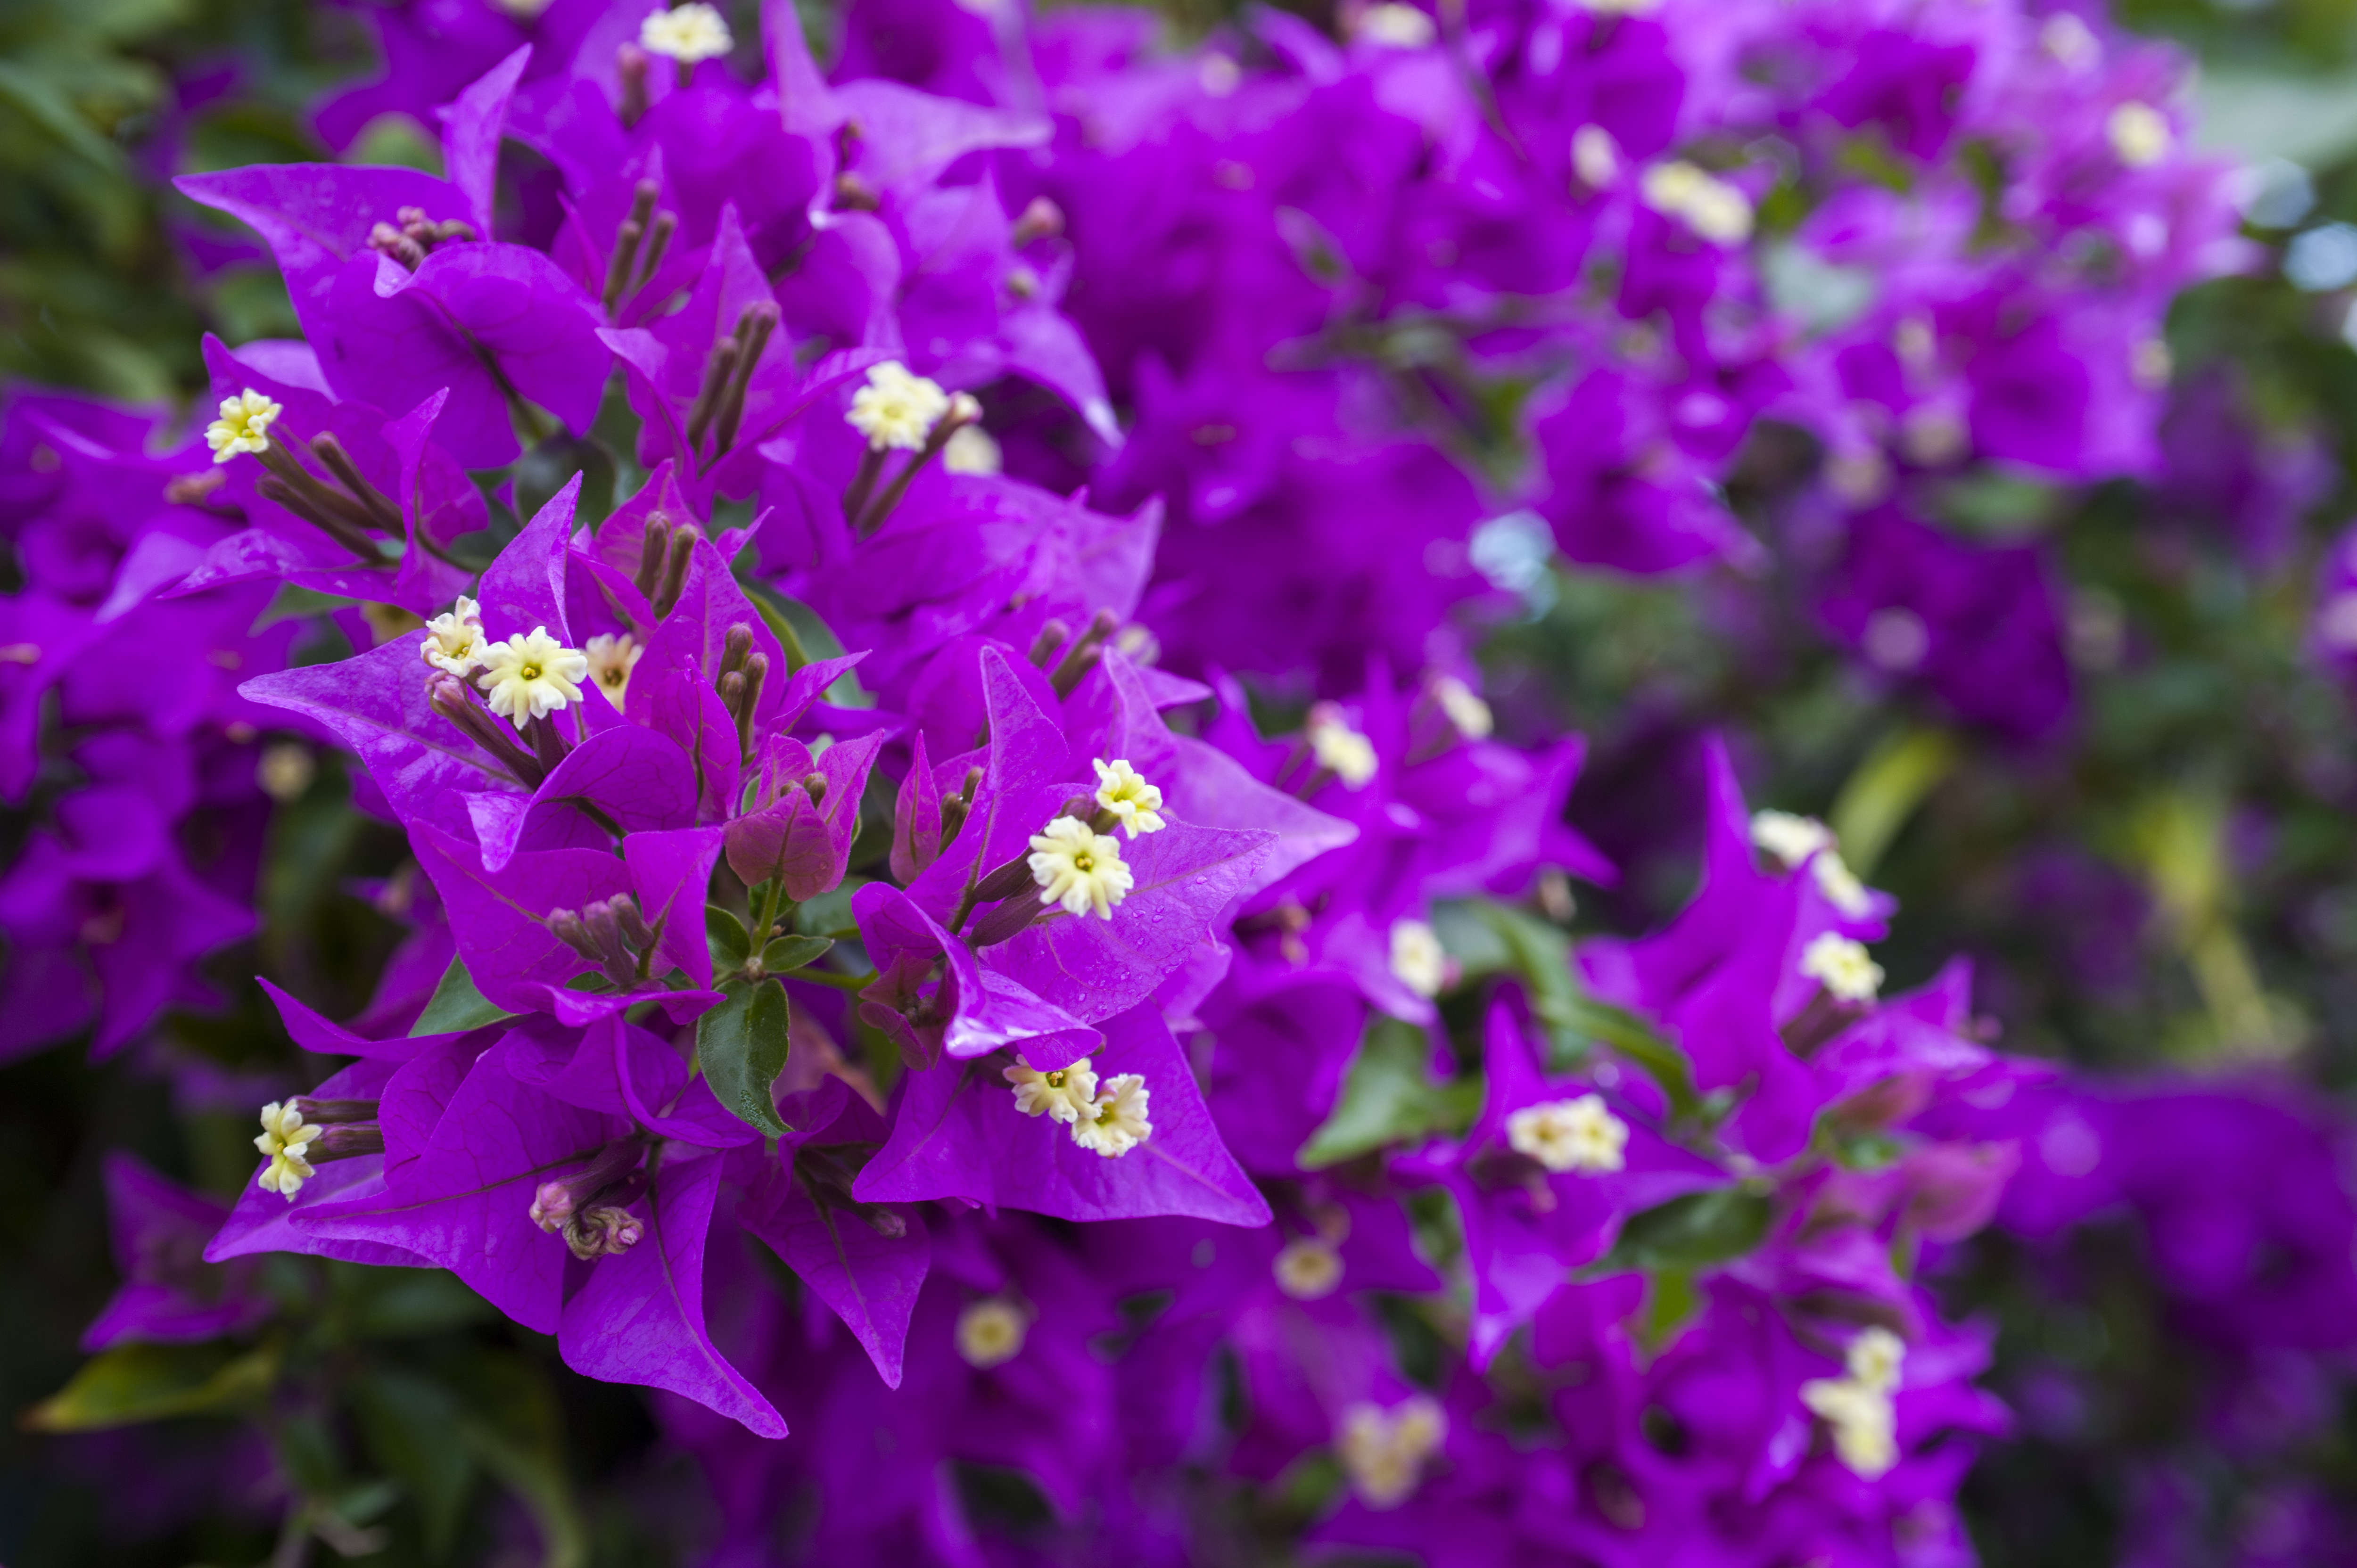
[(146, 779), (913, 626)]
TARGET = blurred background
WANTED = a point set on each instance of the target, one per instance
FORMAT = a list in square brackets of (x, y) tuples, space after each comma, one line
[(2164, 883)]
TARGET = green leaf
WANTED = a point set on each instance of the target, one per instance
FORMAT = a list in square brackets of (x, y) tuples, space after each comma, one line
[(741, 1048), (829, 914), (805, 637), (1688, 1233), (1892, 780), (725, 934), (132, 1383), (457, 1006), (550, 465), (771, 605), (1388, 1097), (408, 1421), (1539, 955), (400, 1303), (791, 952), (517, 1430)]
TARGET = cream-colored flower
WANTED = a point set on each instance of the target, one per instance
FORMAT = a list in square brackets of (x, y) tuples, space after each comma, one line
[(531, 677), (1118, 1122), (2140, 135), (1465, 710), (1418, 961), (243, 425), (1078, 867), (285, 770), (453, 639), (1864, 1427), (1124, 792), (1395, 27), (1064, 1095), (687, 34), (896, 409), (1306, 1269), (1595, 156), (973, 450), (1709, 206), (2070, 40), (1793, 839), (1843, 967), (612, 657), (990, 1332), (1383, 1451), (285, 1138), (1339, 749), (1875, 1359), (1564, 1135), (1788, 837)]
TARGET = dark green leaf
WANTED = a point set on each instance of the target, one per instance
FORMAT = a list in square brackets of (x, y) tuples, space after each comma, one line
[(517, 1430), (794, 951), (829, 914), (400, 1303), (1388, 1097), (725, 934), (457, 1006), (550, 466), (1539, 955), (742, 1046), (1688, 1233), (408, 1421), (772, 604), (133, 1383)]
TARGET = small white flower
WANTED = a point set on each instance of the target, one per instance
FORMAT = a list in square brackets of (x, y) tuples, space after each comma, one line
[(1595, 156), (1788, 837), (243, 425), (285, 770), (1339, 749), (1124, 792), (1875, 1359), (2140, 135), (692, 32), (1465, 710), (991, 1332), (453, 639), (1064, 1095), (285, 1137), (611, 659), (1306, 1269), (896, 409), (1395, 27), (1418, 961), (1863, 1424), (532, 677), (1709, 206), (1793, 839), (2069, 40), (1383, 1451), (1118, 1122), (1570, 1136), (1078, 867), (973, 450), (1843, 967)]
